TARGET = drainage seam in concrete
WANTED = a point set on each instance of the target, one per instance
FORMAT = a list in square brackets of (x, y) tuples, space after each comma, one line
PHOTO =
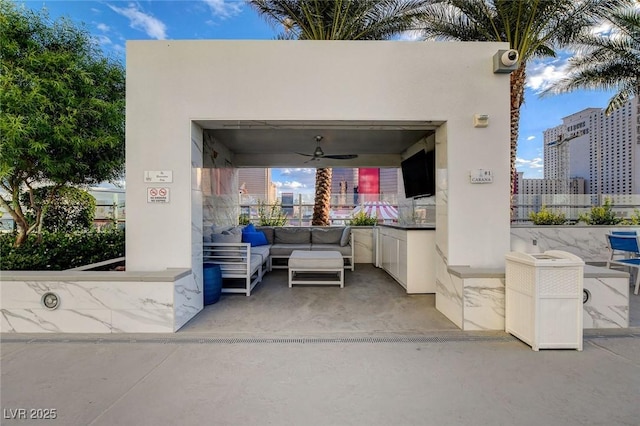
[(296, 340)]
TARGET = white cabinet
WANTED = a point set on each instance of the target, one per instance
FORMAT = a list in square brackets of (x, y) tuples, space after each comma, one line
[(408, 255)]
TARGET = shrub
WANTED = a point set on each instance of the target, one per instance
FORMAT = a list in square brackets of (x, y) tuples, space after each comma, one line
[(272, 215), (634, 219), (547, 217), (243, 219), (363, 219), (70, 209), (60, 251), (600, 215)]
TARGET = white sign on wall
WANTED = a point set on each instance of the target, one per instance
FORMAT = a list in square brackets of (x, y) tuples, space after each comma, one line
[(153, 176), (481, 176), (157, 195)]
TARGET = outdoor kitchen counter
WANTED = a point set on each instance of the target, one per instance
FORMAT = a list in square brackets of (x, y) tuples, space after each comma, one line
[(408, 254)]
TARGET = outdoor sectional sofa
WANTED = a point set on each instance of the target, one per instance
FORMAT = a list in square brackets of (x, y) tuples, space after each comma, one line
[(243, 258)]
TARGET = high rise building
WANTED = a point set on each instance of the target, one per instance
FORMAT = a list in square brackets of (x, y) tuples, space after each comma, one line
[(603, 150), (256, 183)]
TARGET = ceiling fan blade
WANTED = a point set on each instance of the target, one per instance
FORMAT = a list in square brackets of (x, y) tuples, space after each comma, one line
[(342, 157), (306, 155)]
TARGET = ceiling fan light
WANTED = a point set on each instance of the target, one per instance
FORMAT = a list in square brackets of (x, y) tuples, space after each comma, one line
[(318, 152)]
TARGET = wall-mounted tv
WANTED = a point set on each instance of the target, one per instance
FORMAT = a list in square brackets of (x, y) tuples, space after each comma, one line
[(418, 174)]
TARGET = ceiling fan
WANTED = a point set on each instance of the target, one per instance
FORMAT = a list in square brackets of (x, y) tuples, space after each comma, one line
[(319, 153)]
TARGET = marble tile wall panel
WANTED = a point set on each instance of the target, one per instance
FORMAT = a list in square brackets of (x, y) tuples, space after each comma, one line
[(363, 245), (41, 320), (448, 293), (188, 298), (137, 321), (587, 242), (90, 307), (89, 294), (484, 303), (608, 303)]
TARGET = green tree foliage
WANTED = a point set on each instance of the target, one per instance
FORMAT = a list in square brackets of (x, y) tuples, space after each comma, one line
[(62, 120), (535, 28), (70, 209), (607, 61)]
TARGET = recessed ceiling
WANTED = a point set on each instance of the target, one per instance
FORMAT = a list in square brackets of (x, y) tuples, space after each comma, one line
[(255, 143)]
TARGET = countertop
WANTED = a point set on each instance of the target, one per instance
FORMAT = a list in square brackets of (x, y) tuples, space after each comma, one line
[(414, 227)]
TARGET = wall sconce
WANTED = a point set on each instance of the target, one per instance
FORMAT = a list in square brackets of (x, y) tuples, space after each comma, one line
[(480, 120)]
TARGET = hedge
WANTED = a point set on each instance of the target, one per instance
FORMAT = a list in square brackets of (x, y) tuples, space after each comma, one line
[(60, 251)]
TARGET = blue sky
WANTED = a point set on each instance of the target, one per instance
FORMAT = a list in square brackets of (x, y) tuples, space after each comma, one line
[(114, 22)]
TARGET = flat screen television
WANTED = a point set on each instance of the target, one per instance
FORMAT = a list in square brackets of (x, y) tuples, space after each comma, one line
[(418, 174)]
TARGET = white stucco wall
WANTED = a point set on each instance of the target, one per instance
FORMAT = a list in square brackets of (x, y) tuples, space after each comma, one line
[(171, 83)]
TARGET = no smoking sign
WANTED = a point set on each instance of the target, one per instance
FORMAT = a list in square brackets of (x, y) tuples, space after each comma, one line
[(157, 195)]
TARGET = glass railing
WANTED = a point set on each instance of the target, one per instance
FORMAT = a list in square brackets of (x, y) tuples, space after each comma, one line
[(572, 205)]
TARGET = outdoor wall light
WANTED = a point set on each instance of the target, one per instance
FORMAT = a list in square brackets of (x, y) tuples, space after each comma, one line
[(50, 300), (480, 120)]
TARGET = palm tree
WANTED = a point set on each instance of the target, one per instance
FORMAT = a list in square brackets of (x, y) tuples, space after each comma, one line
[(535, 28), (337, 20), (607, 61)]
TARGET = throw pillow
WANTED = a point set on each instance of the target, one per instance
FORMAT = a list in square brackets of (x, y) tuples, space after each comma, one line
[(249, 228), (254, 238), (344, 241)]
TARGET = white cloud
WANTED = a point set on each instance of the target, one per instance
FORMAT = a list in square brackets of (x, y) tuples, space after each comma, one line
[(139, 20), (224, 9), (103, 27), (530, 138), (299, 180), (541, 75), (534, 163), (296, 171), (411, 36), (103, 40), (604, 29)]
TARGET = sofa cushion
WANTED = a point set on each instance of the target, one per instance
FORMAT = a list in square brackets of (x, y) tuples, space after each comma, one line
[(268, 232), (345, 251), (263, 251), (249, 228), (346, 234), (226, 237), (328, 235), (291, 235), (286, 249), (254, 238)]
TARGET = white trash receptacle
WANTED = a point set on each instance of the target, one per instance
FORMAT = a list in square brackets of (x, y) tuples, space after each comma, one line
[(543, 299)]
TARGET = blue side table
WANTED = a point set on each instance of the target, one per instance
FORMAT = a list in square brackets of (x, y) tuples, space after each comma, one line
[(212, 282)]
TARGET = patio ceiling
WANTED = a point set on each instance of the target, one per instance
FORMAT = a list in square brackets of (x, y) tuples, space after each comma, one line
[(276, 143)]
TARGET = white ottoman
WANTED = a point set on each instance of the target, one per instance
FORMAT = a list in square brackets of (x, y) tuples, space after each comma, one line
[(306, 266)]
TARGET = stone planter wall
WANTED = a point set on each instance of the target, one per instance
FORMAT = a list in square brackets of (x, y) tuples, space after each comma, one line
[(587, 241)]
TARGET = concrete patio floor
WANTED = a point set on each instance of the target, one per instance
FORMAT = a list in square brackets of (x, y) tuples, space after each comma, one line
[(289, 357), (370, 302)]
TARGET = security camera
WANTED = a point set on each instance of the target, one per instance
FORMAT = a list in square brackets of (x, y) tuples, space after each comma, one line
[(505, 61), (509, 58)]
